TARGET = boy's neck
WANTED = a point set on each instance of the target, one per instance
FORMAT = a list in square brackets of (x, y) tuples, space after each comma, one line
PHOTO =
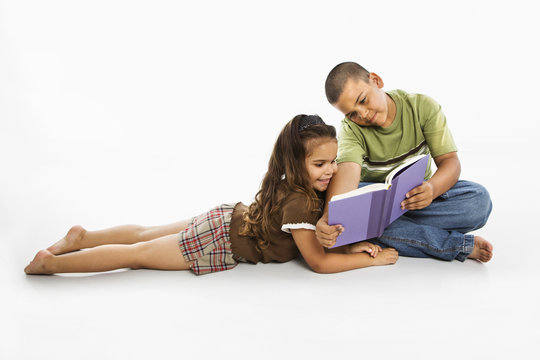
[(391, 115)]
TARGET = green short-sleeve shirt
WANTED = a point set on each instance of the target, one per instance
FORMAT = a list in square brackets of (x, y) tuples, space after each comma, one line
[(419, 127)]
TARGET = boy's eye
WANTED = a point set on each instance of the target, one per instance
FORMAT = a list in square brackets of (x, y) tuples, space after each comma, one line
[(363, 101)]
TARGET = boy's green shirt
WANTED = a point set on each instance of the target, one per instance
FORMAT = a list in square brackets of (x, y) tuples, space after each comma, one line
[(419, 127)]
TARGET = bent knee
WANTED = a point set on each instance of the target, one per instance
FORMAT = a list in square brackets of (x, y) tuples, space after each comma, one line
[(481, 207)]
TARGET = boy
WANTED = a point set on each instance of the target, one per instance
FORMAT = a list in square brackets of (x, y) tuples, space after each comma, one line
[(380, 130)]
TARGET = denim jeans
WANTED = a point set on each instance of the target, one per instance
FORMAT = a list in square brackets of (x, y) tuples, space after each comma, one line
[(439, 230)]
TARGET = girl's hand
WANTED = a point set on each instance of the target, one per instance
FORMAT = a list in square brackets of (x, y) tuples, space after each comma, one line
[(387, 256), (365, 246), (419, 197), (326, 234)]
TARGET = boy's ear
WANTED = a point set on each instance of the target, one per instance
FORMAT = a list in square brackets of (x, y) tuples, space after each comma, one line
[(377, 80)]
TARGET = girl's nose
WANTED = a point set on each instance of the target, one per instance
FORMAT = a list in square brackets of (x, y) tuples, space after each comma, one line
[(332, 169)]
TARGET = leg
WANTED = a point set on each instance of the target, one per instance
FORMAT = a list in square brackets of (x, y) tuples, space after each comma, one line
[(418, 240), (463, 208), (162, 254), (78, 238)]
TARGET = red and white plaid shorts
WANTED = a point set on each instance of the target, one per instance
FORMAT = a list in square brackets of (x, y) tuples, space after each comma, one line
[(206, 241)]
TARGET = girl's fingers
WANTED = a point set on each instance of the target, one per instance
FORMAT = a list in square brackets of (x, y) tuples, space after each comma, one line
[(329, 243)]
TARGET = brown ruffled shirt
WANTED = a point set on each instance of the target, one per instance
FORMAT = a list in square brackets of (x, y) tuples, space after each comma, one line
[(294, 214)]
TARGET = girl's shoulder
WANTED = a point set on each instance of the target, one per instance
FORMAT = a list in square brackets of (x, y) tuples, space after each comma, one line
[(300, 207)]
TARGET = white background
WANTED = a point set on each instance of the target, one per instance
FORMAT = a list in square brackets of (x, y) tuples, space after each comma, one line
[(144, 112)]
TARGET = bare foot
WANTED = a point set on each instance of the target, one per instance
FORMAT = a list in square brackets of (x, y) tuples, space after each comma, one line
[(71, 242), (40, 264), (483, 250)]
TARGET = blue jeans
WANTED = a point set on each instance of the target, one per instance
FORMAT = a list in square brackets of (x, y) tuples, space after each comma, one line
[(439, 230)]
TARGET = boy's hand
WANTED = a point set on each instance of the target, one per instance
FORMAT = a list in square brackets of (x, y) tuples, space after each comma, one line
[(326, 234), (419, 197), (365, 246)]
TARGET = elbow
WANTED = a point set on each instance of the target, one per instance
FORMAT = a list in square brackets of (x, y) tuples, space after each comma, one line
[(457, 166), (318, 266)]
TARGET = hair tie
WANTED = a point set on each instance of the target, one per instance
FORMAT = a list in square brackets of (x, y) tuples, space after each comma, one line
[(308, 121)]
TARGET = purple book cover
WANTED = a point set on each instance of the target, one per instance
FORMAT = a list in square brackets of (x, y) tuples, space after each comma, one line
[(405, 180), (360, 215), (365, 216)]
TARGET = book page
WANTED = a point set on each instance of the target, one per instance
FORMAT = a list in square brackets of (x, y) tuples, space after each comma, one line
[(402, 168), (362, 190)]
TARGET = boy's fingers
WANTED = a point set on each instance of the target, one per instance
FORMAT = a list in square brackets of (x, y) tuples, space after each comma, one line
[(415, 202), (414, 191), (419, 203), (417, 190)]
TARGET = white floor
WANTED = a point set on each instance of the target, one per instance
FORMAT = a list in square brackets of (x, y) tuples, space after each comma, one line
[(120, 113), (416, 307)]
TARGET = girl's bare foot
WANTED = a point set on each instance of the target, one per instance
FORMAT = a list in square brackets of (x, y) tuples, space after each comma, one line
[(71, 242), (40, 264), (483, 250)]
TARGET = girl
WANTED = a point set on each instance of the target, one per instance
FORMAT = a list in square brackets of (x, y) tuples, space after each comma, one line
[(277, 226)]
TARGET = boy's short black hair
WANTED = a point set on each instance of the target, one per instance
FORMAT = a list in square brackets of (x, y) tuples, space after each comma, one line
[(338, 76)]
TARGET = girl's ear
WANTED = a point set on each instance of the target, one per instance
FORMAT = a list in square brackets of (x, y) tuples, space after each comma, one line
[(376, 79)]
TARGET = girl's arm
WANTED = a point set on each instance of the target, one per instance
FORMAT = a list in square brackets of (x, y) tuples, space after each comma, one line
[(345, 179), (322, 262)]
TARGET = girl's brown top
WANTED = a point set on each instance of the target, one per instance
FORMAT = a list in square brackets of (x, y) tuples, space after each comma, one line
[(294, 214)]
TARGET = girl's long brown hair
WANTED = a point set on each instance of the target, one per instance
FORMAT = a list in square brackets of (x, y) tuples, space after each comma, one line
[(286, 173)]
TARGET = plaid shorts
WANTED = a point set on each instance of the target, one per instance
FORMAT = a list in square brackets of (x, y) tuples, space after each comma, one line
[(206, 242)]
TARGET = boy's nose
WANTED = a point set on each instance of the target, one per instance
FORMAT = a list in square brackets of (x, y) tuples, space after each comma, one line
[(365, 113)]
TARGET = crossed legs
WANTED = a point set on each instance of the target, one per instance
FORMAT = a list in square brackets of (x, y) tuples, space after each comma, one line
[(126, 246)]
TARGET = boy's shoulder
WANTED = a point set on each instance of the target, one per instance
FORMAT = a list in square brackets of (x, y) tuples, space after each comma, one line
[(421, 106), (414, 99)]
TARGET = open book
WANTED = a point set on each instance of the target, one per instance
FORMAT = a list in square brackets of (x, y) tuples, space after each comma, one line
[(365, 212)]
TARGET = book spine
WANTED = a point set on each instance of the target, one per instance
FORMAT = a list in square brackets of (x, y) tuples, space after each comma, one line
[(377, 213), (387, 209)]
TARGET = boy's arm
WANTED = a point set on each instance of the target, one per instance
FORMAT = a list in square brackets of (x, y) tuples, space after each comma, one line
[(446, 176), (345, 179)]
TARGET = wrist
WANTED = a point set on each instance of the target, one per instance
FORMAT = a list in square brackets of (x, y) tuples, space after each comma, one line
[(432, 187)]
